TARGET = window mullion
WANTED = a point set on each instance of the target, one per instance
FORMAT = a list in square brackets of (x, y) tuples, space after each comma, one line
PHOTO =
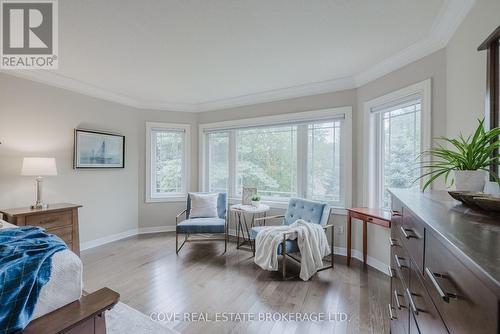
[(302, 153), (206, 163), (152, 159), (232, 164)]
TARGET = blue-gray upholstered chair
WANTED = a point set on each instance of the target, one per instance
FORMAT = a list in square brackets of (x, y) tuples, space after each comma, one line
[(310, 211), (214, 225)]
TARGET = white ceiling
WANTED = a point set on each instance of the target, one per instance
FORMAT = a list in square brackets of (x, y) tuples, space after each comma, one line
[(197, 55)]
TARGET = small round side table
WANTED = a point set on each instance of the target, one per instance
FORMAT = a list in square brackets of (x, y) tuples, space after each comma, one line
[(242, 225)]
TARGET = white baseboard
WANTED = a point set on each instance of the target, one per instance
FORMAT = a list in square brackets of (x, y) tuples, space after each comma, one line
[(107, 239), (126, 234), (371, 261), (156, 229)]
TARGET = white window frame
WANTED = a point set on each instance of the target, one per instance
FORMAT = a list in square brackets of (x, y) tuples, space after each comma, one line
[(306, 116), (174, 197), (371, 165)]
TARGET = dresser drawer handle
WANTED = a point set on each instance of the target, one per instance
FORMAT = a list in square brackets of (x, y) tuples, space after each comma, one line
[(398, 263), (406, 235), (433, 277), (47, 221), (393, 242), (411, 301), (396, 298), (391, 316), (395, 213)]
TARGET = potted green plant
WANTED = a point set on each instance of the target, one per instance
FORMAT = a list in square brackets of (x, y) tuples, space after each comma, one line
[(255, 200), (468, 158)]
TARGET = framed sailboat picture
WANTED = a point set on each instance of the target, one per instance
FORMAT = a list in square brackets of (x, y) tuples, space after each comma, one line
[(95, 149)]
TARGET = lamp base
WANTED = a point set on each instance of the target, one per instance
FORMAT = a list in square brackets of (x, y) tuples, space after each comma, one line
[(39, 206)]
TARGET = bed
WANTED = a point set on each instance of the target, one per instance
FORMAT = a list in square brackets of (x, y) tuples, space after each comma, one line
[(65, 284), (61, 306)]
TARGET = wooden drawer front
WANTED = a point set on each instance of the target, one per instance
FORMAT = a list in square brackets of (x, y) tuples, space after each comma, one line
[(465, 303), (65, 233), (399, 307), (396, 206), (372, 220), (412, 233), (423, 310), (50, 220), (396, 223), (400, 261)]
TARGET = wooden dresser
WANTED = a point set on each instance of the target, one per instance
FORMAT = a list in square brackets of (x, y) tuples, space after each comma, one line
[(59, 219), (445, 264)]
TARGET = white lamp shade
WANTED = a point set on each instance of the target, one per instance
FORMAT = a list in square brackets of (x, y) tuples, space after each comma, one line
[(39, 167)]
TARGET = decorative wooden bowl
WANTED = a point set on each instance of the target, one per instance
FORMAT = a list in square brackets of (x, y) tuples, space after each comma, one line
[(489, 203), (466, 197), (483, 201)]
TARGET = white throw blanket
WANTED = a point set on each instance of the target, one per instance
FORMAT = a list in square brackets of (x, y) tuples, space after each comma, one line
[(311, 239)]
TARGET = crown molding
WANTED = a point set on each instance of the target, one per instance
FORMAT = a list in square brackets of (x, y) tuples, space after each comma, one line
[(451, 14), (447, 21)]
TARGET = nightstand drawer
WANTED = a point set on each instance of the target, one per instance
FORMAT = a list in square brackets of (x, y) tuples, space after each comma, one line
[(50, 220), (65, 233), (60, 219)]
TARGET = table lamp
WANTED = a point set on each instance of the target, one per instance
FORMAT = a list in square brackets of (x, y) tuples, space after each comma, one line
[(39, 167)]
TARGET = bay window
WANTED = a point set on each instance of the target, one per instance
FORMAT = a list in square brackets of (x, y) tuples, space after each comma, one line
[(297, 155), (400, 131)]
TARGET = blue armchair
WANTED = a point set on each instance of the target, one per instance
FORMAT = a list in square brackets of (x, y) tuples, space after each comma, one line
[(215, 225), (310, 211)]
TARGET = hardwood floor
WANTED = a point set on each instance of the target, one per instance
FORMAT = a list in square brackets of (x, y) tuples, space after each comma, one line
[(151, 278)]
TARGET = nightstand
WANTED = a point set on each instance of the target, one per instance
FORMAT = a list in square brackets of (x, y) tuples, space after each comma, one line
[(60, 219)]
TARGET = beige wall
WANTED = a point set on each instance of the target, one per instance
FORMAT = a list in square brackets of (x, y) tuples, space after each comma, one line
[(315, 102), (38, 120), (466, 67)]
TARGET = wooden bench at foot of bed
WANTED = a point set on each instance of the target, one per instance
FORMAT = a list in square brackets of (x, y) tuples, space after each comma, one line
[(83, 316)]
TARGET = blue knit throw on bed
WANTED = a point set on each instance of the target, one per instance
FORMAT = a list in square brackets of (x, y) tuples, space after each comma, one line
[(25, 267)]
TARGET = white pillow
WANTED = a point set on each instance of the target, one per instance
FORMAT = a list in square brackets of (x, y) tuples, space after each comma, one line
[(203, 205)]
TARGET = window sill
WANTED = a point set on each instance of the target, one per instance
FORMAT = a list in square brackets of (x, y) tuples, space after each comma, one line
[(340, 211), (172, 199)]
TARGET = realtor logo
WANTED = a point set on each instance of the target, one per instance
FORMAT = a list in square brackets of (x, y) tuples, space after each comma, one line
[(29, 38)]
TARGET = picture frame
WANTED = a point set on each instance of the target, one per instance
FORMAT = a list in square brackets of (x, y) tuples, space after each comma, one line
[(492, 47), (98, 150), (247, 193)]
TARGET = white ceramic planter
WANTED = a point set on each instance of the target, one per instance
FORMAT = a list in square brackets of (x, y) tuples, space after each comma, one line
[(255, 203), (470, 180)]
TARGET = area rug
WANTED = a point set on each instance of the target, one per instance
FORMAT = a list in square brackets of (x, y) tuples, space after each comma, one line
[(122, 319)]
